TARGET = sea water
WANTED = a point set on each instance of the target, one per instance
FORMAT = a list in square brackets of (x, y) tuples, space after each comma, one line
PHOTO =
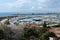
[(5, 14)]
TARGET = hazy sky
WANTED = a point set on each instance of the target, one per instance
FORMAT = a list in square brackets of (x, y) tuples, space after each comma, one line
[(30, 6)]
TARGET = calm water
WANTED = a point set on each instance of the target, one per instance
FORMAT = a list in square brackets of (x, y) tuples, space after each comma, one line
[(10, 14), (5, 14)]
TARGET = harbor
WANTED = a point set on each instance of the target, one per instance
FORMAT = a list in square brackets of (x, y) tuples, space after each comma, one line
[(38, 19)]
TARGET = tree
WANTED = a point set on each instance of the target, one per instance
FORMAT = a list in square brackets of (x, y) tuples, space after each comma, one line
[(44, 25), (29, 32), (1, 34), (7, 22)]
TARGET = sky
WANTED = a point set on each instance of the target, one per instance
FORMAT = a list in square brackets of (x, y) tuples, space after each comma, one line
[(30, 6)]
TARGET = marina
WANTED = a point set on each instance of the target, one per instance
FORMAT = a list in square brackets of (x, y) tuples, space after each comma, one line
[(38, 19)]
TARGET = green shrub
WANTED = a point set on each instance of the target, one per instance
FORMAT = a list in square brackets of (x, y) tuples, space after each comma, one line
[(2, 34), (41, 34), (30, 32)]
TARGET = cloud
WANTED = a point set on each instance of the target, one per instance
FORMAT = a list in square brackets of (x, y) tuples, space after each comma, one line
[(24, 4), (30, 5)]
